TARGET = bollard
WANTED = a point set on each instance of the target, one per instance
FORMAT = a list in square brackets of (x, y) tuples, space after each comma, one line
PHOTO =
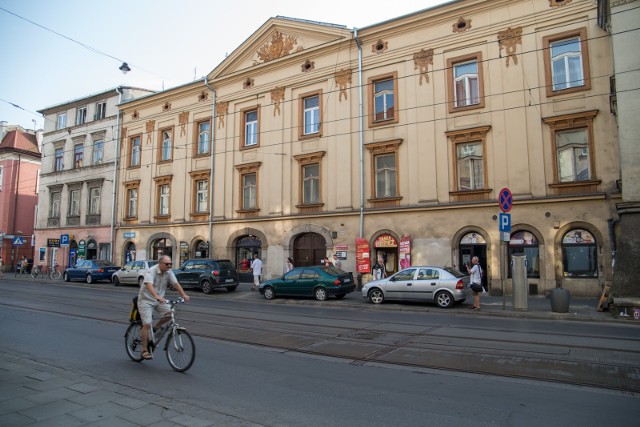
[(560, 299), (519, 282)]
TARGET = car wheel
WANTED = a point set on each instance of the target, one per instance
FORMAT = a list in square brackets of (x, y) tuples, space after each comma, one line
[(207, 288), (444, 299), (66, 277), (320, 294), (89, 279), (231, 288), (140, 281), (340, 296), (116, 281), (376, 296), (269, 292)]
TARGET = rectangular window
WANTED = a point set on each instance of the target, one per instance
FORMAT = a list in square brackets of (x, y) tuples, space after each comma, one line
[(202, 196), (166, 146), (204, 138), (132, 203), (101, 110), (98, 150), (81, 115), (94, 201), (566, 62), (135, 151), (78, 155), (163, 200), (59, 157), (470, 166), (311, 184), (250, 128), (249, 191), (385, 175), (55, 205), (465, 82), (573, 155), (74, 202), (61, 121), (311, 115), (383, 99)]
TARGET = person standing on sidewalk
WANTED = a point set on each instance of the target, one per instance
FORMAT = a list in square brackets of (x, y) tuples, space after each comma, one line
[(476, 282), (256, 267)]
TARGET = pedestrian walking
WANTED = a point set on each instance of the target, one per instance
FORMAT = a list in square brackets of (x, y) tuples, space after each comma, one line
[(1, 266), (336, 262), (256, 268), (289, 265), (475, 272)]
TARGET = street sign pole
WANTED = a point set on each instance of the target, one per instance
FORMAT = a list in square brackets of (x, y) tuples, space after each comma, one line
[(505, 201)]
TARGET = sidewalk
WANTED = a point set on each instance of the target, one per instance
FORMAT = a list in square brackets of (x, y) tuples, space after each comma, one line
[(35, 394)]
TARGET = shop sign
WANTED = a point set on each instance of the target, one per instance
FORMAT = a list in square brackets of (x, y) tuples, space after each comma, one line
[(82, 246), (385, 241), (53, 243), (405, 252), (363, 259), (341, 247), (129, 234)]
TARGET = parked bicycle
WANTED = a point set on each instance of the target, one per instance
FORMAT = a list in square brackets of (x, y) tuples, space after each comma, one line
[(52, 272), (179, 346)]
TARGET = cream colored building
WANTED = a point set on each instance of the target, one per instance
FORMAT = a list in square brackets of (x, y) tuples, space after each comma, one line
[(402, 133)]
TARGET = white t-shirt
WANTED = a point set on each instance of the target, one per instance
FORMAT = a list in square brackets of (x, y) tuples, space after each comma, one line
[(476, 274), (256, 266), (159, 280)]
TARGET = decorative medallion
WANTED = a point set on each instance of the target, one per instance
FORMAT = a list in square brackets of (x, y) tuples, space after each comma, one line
[(422, 60), (277, 95), (379, 46), (222, 108), (166, 106), (183, 119), (308, 66), (279, 46), (204, 95), (150, 125), (342, 78), (135, 114), (462, 25), (247, 83), (509, 39), (558, 3)]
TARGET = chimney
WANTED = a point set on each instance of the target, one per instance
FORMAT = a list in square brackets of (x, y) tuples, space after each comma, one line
[(3, 129), (39, 136)]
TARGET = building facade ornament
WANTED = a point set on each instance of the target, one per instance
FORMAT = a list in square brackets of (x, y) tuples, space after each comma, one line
[(380, 46), (558, 3), (422, 60), (308, 66), (509, 39), (183, 119), (249, 83), (277, 95), (222, 108), (166, 106), (204, 95), (279, 46), (342, 78), (462, 25), (149, 128)]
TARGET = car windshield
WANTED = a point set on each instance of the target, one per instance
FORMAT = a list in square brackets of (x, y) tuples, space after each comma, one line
[(152, 263), (103, 263), (332, 271), (226, 265), (455, 273)]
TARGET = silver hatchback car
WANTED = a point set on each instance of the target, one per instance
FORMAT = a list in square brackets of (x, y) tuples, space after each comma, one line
[(132, 273), (442, 285)]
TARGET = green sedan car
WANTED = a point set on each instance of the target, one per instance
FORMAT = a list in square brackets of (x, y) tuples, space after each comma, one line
[(319, 282)]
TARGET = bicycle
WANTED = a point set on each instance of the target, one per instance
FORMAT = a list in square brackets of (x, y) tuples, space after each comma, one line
[(37, 271), (179, 346), (53, 272)]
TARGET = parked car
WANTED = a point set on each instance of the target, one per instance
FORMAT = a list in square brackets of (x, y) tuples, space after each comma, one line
[(132, 273), (442, 285), (319, 282), (208, 274), (91, 271)]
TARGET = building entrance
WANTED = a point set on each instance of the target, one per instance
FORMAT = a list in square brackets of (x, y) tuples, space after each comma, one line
[(309, 249)]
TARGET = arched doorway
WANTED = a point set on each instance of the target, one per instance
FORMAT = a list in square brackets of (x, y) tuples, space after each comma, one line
[(201, 249), (473, 244), (246, 246), (92, 249), (309, 249), (73, 252), (162, 247), (385, 250), (129, 252)]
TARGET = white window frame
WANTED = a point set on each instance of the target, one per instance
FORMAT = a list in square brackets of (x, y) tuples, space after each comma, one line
[(469, 81), (54, 210), (61, 121), (386, 184), (78, 155), (250, 129), (311, 115), (204, 138), (202, 195), (249, 191), (94, 200), (310, 184), (136, 151), (74, 202), (101, 110), (473, 165), (385, 94), (98, 151), (132, 202), (164, 194), (58, 160), (81, 115), (166, 146)]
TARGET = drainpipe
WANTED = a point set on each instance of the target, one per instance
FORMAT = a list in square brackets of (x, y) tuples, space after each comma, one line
[(360, 130), (213, 127), (115, 176), (612, 240)]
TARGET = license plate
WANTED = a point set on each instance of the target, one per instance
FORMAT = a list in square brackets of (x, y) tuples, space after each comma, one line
[(228, 281), (347, 280)]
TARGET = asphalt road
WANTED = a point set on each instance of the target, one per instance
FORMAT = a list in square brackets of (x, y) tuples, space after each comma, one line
[(301, 363)]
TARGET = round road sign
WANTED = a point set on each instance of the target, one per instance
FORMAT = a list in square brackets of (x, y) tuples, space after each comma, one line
[(505, 200)]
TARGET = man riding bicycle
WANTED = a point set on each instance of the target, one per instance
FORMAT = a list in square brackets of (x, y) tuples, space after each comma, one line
[(151, 298)]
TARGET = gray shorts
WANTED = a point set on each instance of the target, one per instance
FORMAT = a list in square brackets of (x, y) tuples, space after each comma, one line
[(146, 309)]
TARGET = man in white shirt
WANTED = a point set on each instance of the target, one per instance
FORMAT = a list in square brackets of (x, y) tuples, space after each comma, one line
[(256, 267)]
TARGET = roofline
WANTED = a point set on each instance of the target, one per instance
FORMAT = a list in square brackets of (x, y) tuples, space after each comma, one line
[(308, 21), (93, 95), (397, 18), (157, 93)]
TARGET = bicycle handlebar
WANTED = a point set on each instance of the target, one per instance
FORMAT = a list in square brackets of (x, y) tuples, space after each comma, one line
[(180, 300)]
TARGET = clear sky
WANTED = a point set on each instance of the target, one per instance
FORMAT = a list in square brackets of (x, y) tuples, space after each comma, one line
[(166, 42)]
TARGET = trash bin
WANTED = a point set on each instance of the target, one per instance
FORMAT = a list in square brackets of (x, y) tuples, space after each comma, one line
[(560, 299)]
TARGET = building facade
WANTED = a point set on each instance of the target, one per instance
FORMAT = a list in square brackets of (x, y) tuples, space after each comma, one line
[(19, 175), (75, 215), (398, 138)]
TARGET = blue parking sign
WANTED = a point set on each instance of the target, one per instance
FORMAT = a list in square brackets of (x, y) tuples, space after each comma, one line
[(505, 222), (64, 240)]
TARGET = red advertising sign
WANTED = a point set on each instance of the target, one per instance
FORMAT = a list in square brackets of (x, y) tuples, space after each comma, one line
[(405, 252), (363, 258), (385, 241)]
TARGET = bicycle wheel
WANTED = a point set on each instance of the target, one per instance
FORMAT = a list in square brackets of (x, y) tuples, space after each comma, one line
[(55, 274), (181, 351), (35, 272), (133, 341)]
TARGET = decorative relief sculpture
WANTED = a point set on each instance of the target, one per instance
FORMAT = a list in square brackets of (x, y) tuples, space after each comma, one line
[(462, 25), (135, 114), (422, 60), (277, 95), (509, 39), (558, 3), (166, 106), (380, 46), (203, 96), (150, 125), (342, 78), (248, 83), (308, 66), (183, 119), (222, 108), (279, 46)]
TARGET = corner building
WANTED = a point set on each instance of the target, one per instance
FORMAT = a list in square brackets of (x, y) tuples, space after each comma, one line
[(402, 133)]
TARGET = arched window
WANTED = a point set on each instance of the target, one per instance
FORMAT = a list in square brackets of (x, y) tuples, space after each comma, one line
[(246, 246), (524, 242), (579, 254), (162, 247)]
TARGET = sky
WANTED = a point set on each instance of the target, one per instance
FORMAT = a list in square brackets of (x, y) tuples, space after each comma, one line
[(166, 43)]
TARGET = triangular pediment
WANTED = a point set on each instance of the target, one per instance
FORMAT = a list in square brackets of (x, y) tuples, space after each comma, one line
[(279, 38)]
